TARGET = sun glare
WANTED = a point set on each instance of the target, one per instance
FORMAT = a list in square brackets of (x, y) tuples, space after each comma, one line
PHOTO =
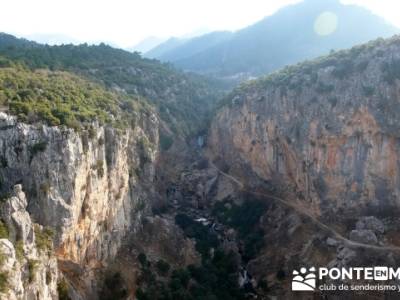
[(326, 23)]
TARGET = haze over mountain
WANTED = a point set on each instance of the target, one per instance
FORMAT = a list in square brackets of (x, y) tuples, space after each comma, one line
[(147, 44), (53, 39), (297, 32), (181, 48), (168, 46)]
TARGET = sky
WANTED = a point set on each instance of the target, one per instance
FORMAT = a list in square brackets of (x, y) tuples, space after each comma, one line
[(124, 23)]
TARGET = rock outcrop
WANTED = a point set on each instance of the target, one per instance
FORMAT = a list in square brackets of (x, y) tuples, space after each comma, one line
[(326, 130), (319, 143), (28, 267)]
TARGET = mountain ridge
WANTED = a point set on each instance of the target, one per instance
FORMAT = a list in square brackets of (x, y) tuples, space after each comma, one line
[(284, 38), (173, 92)]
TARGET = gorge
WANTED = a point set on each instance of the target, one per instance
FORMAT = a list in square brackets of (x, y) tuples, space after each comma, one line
[(123, 178)]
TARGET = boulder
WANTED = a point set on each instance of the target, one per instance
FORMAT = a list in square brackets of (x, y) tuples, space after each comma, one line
[(17, 218), (364, 236), (331, 242), (371, 223)]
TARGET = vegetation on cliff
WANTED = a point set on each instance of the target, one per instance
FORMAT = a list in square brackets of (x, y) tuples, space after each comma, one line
[(340, 64), (245, 220), (61, 98), (215, 278), (184, 101), (3, 230)]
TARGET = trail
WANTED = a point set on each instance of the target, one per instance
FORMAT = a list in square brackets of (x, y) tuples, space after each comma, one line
[(303, 212)]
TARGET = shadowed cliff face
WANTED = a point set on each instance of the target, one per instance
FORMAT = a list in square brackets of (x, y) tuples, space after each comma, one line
[(328, 130)]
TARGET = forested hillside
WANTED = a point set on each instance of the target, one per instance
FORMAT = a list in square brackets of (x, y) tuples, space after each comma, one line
[(61, 98), (179, 97)]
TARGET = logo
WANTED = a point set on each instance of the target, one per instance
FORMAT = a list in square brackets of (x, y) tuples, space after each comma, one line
[(346, 279), (303, 280), (381, 273)]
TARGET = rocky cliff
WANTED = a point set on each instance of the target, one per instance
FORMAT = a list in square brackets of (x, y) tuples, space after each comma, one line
[(85, 143), (91, 187), (28, 268), (318, 143), (327, 130), (301, 168)]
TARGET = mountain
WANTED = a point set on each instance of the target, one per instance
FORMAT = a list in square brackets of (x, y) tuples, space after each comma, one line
[(147, 44), (120, 177), (318, 144), (290, 35), (165, 47), (187, 48), (174, 42)]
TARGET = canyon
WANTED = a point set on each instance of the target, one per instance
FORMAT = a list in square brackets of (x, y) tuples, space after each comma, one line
[(298, 168)]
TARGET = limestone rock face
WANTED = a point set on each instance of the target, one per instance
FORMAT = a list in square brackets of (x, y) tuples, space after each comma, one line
[(29, 271), (91, 187), (319, 141), (329, 131), (17, 218)]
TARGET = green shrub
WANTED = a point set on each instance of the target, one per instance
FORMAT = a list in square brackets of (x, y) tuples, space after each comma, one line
[(323, 88), (32, 267), (142, 295), (48, 277), (343, 69), (245, 219), (114, 288), (215, 278), (19, 250), (181, 276), (38, 147), (45, 188), (263, 285), (391, 71), (141, 205), (3, 162), (368, 90), (92, 132), (4, 286), (145, 147), (142, 258), (62, 289), (44, 238), (162, 267), (60, 98), (3, 230), (204, 239), (99, 167), (2, 258)]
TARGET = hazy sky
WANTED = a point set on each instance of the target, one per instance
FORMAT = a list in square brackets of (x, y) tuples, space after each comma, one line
[(126, 22)]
